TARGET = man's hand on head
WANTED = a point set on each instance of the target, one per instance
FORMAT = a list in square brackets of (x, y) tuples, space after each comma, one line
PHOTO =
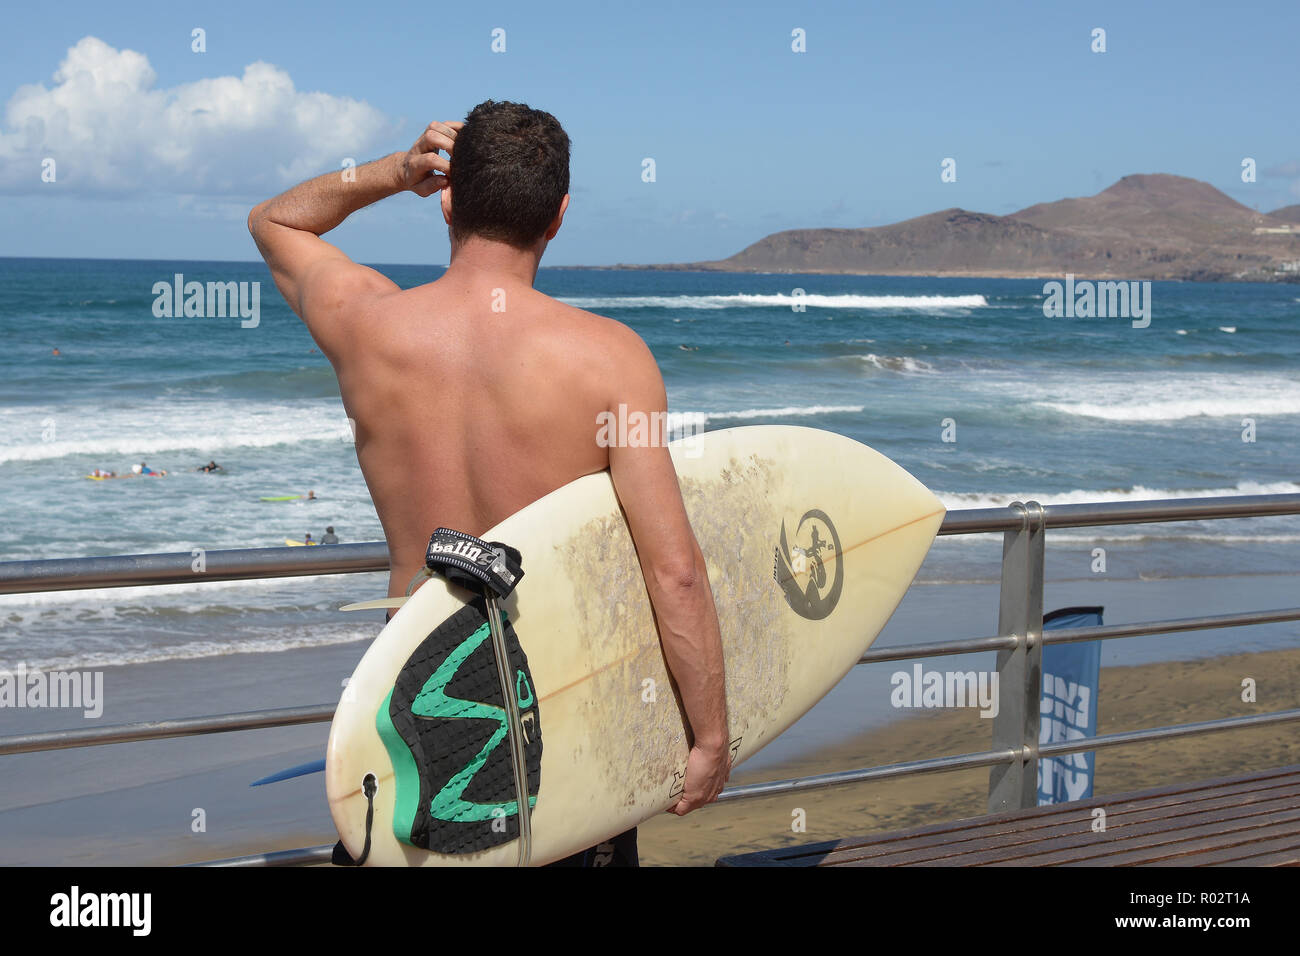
[(422, 170)]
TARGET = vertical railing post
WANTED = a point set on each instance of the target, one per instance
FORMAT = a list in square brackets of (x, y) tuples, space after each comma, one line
[(1020, 613)]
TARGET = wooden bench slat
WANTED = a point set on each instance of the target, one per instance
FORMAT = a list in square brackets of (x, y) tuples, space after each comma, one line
[(1251, 820), (1077, 812), (1085, 844), (1181, 845), (932, 846), (1287, 854), (1262, 844), (1155, 842)]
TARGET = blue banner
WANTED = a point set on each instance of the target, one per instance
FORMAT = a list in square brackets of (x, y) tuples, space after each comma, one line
[(1068, 707)]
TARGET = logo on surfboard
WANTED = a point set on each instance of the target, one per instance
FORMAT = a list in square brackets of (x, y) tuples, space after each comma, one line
[(811, 590)]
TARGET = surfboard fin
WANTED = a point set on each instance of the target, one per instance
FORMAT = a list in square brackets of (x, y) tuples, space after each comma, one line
[(316, 766)]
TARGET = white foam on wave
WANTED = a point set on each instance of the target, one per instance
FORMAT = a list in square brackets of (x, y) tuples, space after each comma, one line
[(897, 363), (1228, 328), (779, 300), (955, 500), (163, 593), (54, 613), (1154, 398), (41, 433), (789, 411), (1171, 411), (1095, 534), (195, 650)]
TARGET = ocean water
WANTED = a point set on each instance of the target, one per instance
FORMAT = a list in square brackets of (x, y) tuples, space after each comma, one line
[(1057, 410)]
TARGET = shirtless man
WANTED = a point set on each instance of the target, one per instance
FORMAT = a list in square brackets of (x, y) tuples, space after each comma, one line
[(475, 395)]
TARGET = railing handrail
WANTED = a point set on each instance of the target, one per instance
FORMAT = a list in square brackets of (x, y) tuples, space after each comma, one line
[(179, 567), (162, 729), (1094, 514)]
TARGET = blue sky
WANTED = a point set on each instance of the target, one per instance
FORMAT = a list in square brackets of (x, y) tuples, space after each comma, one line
[(158, 156)]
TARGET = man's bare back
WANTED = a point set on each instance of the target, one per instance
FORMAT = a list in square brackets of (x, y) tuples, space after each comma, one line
[(471, 401), (475, 395)]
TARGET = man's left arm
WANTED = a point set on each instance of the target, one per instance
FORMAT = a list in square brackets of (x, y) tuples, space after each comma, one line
[(316, 278)]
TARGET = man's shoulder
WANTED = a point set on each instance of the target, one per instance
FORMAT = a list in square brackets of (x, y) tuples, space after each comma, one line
[(612, 332), (613, 338)]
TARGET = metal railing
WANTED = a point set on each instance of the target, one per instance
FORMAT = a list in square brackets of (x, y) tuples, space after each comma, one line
[(1015, 749)]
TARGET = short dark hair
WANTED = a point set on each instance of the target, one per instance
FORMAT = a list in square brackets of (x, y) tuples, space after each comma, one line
[(509, 173)]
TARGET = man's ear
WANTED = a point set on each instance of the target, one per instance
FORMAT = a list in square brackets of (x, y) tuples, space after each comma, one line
[(445, 197), (558, 220)]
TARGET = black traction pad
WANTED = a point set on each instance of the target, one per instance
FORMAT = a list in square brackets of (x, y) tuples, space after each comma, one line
[(447, 746)]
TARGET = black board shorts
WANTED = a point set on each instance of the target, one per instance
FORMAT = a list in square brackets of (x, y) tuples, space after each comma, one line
[(616, 851)]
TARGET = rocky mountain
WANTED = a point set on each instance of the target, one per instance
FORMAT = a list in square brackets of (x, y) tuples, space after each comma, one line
[(1287, 214), (1143, 227)]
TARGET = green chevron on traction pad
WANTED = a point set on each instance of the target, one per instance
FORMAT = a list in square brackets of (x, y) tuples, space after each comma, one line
[(444, 726)]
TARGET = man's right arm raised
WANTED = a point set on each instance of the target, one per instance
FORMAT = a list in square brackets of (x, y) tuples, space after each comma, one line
[(675, 573)]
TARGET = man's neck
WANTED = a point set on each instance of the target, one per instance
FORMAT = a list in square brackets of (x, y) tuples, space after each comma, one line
[(478, 260)]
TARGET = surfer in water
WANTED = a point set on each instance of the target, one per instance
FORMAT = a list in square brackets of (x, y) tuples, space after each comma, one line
[(475, 395), (329, 537)]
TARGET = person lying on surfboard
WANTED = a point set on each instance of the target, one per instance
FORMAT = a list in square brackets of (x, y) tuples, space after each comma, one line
[(475, 395)]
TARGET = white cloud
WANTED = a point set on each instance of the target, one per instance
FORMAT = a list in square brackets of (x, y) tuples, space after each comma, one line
[(110, 131), (1289, 168)]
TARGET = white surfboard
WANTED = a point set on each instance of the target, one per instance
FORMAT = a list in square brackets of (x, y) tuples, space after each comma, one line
[(811, 540)]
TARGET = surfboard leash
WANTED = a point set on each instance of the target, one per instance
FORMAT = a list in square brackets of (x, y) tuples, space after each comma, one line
[(340, 856), (512, 729), (368, 787), (493, 569)]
